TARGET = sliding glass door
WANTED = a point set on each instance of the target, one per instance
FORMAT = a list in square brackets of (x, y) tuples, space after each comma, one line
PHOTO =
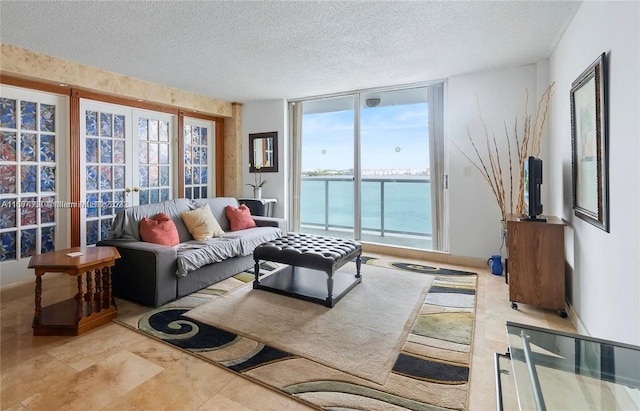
[(371, 167)]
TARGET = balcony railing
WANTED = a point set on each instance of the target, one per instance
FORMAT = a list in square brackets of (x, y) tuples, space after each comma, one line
[(393, 205)]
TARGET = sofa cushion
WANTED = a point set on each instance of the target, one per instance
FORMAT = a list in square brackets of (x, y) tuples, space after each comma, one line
[(201, 223), (159, 230), (218, 207), (195, 254), (253, 237), (127, 222), (240, 218)]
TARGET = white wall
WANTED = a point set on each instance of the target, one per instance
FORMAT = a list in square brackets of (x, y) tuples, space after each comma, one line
[(603, 268), (262, 117), (474, 216)]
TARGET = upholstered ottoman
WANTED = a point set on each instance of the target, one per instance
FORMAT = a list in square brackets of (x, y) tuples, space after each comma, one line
[(306, 257)]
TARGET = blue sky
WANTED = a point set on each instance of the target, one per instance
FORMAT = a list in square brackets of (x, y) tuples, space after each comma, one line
[(384, 130)]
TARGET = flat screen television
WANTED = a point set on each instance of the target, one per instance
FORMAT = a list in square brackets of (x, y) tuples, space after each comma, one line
[(532, 182)]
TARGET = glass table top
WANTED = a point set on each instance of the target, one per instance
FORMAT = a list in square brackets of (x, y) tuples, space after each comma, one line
[(561, 371)]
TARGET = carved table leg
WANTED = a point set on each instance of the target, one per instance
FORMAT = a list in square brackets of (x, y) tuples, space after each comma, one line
[(106, 272), (329, 301), (90, 291), (80, 296), (99, 289), (256, 270), (358, 263)]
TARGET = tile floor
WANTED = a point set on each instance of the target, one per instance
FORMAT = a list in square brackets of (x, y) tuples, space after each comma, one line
[(115, 368)]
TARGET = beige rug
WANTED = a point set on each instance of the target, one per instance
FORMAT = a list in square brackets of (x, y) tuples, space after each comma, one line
[(363, 333)]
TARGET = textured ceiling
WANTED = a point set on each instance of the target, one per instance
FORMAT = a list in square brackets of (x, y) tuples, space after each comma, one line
[(247, 51)]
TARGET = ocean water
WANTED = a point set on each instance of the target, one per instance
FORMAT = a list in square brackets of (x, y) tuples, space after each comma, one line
[(407, 204)]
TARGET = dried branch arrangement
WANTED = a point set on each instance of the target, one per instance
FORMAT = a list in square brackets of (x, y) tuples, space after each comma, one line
[(528, 144)]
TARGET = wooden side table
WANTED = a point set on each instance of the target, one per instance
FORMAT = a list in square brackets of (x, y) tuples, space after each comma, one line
[(88, 309)]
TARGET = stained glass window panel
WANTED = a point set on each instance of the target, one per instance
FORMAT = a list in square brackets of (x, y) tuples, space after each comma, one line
[(143, 153), (164, 131), (105, 125), (48, 239), (7, 216), (142, 129), (155, 196), (105, 177), (105, 151), (7, 113), (153, 130), (195, 156), (92, 150), (27, 243), (28, 147), (203, 155), (118, 151), (47, 118), (8, 148), (143, 176), (48, 211), (203, 175), (47, 178), (153, 154), (7, 179), (195, 138), (203, 191), (8, 246), (91, 118), (92, 178), (144, 196), (28, 179), (118, 126), (119, 181), (164, 194), (164, 176), (48, 148), (203, 136), (92, 232), (187, 135), (28, 115), (164, 154), (153, 176), (91, 206), (28, 211), (105, 225), (106, 199)]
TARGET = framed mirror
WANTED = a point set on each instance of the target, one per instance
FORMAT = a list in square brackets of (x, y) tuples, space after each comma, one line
[(263, 152)]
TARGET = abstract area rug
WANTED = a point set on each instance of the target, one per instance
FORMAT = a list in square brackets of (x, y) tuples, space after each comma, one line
[(399, 340)]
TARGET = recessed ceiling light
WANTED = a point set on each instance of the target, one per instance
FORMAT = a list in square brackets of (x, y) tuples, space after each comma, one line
[(63, 84), (140, 100)]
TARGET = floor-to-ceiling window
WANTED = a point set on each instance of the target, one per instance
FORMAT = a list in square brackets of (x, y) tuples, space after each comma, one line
[(370, 166)]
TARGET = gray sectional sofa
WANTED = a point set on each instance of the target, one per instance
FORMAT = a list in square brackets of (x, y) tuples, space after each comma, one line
[(152, 274)]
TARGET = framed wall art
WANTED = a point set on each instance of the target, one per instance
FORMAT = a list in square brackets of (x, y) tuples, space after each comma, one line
[(590, 177)]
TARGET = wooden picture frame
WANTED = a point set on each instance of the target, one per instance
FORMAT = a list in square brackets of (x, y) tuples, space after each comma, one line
[(263, 152), (589, 145)]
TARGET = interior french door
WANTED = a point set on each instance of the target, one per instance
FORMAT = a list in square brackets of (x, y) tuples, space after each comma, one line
[(126, 161), (199, 154), (34, 210)]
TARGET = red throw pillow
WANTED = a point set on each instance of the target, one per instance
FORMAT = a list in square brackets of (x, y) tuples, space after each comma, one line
[(240, 218), (159, 230)]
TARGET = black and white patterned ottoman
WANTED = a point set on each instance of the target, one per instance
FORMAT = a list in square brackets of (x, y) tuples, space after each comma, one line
[(306, 256)]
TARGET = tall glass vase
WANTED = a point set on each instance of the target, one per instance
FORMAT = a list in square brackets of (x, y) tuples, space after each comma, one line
[(257, 193)]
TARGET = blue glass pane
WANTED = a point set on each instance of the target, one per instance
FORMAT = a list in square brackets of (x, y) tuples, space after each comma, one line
[(196, 192), (28, 179), (164, 176), (7, 179), (142, 129), (187, 136), (47, 117), (118, 198), (187, 175), (105, 177), (118, 151), (153, 176), (187, 192), (27, 147), (203, 192), (8, 246), (91, 206), (105, 225), (118, 177), (27, 243), (7, 146), (144, 196), (164, 194), (196, 175), (153, 154), (7, 217), (195, 137), (92, 150), (28, 211), (92, 123), (153, 130), (92, 232), (155, 196), (203, 136), (143, 176), (195, 156), (48, 148), (28, 113), (48, 239), (92, 177), (7, 113), (118, 126), (164, 131), (105, 151), (47, 178), (48, 211), (164, 154), (106, 199), (105, 125), (203, 175), (187, 155), (142, 153), (203, 155)]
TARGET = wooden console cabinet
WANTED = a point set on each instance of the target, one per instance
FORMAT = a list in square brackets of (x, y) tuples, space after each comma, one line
[(536, 267)]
